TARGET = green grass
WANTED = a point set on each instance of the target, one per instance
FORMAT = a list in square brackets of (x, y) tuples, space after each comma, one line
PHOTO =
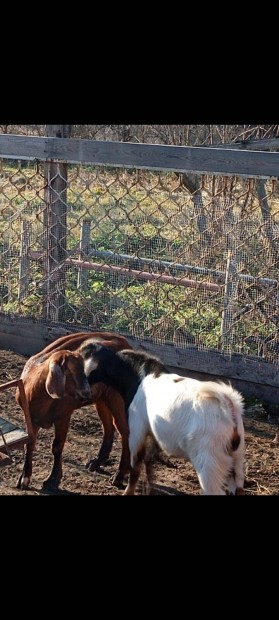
[(141, 214)]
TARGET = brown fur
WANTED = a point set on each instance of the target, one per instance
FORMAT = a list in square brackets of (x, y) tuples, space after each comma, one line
[(46, 411), (235, 440)]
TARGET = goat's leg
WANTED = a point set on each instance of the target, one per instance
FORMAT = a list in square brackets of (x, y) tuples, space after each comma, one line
[(108, 435), (212, 479), (155, 453), (236, 474), (121, 423), (61, 429), (135, 472), (150, 474), (162, 458), (124, 465), (211, 489), (25, 477), (138, 432)]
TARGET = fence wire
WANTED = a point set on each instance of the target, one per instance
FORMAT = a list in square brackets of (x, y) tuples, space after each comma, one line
[(137, 252)]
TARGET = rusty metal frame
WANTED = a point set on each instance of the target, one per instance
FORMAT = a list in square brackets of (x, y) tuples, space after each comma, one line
[(24, 404)]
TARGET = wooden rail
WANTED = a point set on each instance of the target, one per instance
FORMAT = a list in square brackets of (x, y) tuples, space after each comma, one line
[(253, 376), (195, 159)]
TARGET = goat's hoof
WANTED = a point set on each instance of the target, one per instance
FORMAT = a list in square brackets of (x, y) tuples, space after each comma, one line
[(18, 484), (117, 481), (239, 491), (23, 483), (50, 485), (93, 465)]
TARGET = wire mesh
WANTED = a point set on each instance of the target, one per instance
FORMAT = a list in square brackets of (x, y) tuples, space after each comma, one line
[(136, 252)]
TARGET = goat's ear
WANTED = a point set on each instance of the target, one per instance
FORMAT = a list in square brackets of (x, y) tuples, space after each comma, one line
[(55, 381)]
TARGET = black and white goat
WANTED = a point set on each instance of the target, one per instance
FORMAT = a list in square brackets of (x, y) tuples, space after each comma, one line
[(200, 421)]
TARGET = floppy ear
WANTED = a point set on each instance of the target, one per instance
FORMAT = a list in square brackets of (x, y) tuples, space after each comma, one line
[(55, 381)]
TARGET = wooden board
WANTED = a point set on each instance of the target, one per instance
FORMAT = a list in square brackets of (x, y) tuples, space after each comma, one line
[(14, 435), (195, 159), (253, 376)]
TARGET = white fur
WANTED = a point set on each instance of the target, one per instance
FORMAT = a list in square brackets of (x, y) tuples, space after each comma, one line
[(89, 365), (194, 420)]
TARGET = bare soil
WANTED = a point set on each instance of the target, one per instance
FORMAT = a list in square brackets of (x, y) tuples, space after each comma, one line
[(83, 442)]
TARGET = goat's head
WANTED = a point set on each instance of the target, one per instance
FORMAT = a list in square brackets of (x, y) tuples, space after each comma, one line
[(66, 376), (96, 356)]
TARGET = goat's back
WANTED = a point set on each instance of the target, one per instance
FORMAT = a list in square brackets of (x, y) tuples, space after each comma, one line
[(72, 342), (181, 410)]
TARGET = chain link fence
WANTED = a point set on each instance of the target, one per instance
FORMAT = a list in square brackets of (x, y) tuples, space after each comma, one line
[(135, 251)]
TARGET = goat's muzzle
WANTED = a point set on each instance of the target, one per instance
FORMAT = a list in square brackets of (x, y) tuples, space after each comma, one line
[(84, 393)]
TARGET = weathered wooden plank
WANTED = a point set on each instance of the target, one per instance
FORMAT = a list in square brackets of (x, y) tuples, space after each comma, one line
[(252, 375), (211, 361), (24, 405), (14, 438), (244, 374), (202, 160), (7, 427), (27, 337)]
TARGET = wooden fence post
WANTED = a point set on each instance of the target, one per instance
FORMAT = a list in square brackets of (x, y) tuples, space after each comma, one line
[(267, 228), (24, 260), (84, 246), (55, 231), (230, 292)]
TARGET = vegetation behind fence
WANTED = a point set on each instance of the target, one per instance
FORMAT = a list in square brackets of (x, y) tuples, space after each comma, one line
[(134, 250)]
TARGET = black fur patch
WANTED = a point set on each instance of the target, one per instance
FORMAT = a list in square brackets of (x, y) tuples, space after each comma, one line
[(121, 370), (143, 363)]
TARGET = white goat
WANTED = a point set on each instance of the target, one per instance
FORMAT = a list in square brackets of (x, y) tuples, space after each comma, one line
[(200, 421), (196, 420)]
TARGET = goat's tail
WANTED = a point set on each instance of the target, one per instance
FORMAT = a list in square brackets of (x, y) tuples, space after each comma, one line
[(231, 403)]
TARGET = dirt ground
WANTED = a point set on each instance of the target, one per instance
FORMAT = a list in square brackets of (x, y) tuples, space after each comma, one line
[(84, 439)]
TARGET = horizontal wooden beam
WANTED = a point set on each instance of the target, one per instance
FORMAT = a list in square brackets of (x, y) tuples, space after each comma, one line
[(253, 376), (199, 160)]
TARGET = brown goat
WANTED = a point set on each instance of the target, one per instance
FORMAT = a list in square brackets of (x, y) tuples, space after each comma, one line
[(46, 410)]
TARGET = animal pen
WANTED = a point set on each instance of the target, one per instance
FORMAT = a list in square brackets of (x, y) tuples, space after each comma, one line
[(174, 247)]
